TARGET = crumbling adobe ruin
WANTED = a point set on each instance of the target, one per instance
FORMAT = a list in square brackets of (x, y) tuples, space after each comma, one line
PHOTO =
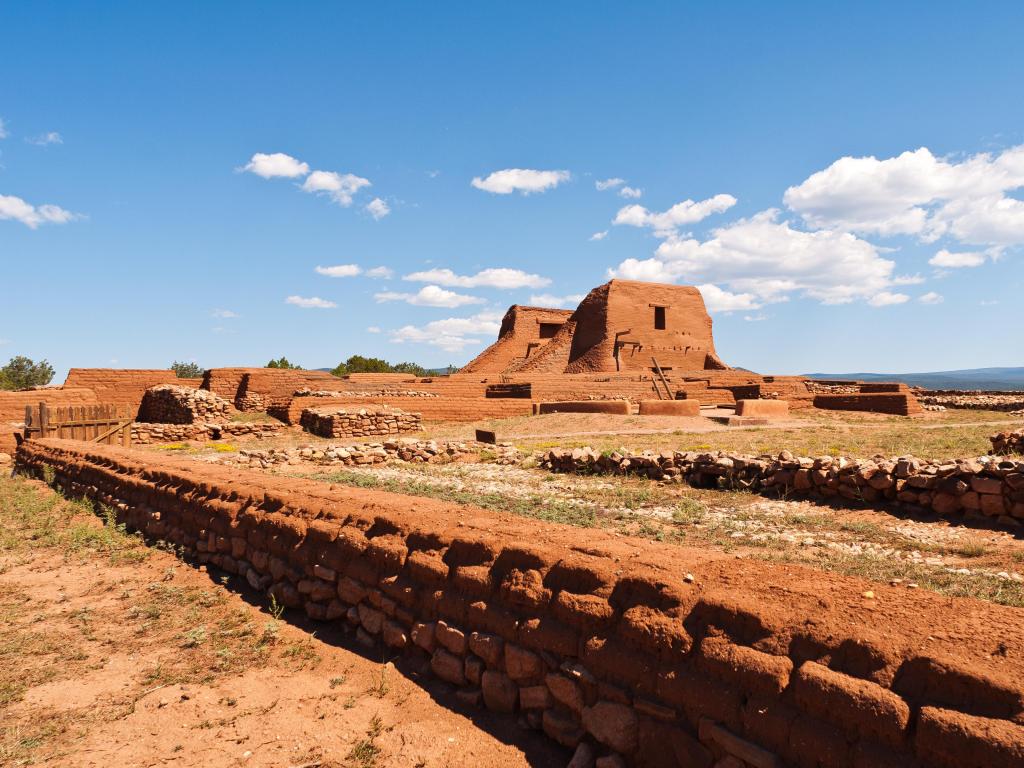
[(623, 325)]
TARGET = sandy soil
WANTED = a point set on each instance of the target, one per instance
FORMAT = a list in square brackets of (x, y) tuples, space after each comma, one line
[(115, 677)]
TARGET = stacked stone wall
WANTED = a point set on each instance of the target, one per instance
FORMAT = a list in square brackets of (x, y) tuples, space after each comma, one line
[(643, 653), (1011, 441), (987, 487), (362, 422), (147, 433), (174, 404), (982, 401)]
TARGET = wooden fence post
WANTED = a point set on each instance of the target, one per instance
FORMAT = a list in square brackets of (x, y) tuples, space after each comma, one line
[(43, 419)]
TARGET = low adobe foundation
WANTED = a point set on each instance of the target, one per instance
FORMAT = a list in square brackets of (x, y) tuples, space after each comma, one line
[(653, 654)]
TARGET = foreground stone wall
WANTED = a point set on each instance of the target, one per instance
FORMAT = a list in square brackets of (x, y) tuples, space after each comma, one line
[(989, 486), (173, 404), (362, 422), (649, 653), (1008, 442)]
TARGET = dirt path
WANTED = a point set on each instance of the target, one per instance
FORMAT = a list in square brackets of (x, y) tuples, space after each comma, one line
[(152, 663)]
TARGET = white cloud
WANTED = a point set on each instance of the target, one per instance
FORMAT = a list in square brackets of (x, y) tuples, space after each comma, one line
[(224, 314), (631, 192), (3, 129), (665, 223), (951, 260), (340, 187), (608, 184), (373, 329), (378, 208), (888, 299), (988, 302), (31, 216), (918, 194), (907, 280), (522, 180), (429, 296), (313, 302), (561, 302), (4, 341), (340, 270), (385, 273), (770, 260), (599, 235), (43, 139), (276, 165), (452, 334), (930, 298), (495, 277), (755, 318), (717, 300)]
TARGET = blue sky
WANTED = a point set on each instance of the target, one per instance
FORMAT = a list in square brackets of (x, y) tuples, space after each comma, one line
[(845, 184)]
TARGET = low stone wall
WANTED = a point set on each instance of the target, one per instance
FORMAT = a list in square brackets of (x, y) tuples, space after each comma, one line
[(618, 407), (644, 653), (987, 486), (669, 408), (444, 408), (359, 454), (769, 409), (173, 404), (145, 433), (1008, 442), (982, 401), (897, 404), (362, 422)]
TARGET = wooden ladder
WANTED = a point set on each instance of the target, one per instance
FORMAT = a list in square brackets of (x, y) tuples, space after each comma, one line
[(661, 374)]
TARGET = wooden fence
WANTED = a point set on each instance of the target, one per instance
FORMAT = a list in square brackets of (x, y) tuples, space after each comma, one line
[(110, 424)]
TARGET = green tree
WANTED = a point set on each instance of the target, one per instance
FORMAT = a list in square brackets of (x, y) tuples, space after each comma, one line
[(282, 362), (186, 370), (22, 373), (360, 364)]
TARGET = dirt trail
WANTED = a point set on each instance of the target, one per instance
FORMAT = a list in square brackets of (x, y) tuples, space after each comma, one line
[(152, 664)]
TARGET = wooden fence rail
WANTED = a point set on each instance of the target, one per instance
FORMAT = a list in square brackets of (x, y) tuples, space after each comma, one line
[(110, 424)]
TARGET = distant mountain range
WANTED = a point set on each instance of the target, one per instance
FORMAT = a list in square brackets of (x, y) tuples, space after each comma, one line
[(972, 378)]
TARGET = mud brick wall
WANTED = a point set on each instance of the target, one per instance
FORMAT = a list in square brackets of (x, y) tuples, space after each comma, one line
[(659, 654), (264, 387), (173, 404), (146, 433), (362, 422), (119, 386), (619, 407), (669, 408), (12, 404), (12, 408), (992, 488), (898, 404)]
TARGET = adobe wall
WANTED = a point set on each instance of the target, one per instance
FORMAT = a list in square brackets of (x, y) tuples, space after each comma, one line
[(264, 387), (12, 408), (617, 320), (903, 404), (519, 338), (119, 386), (661, 654)]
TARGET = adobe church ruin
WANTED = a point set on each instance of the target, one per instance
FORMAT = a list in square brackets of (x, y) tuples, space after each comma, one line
[(623, 325)]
